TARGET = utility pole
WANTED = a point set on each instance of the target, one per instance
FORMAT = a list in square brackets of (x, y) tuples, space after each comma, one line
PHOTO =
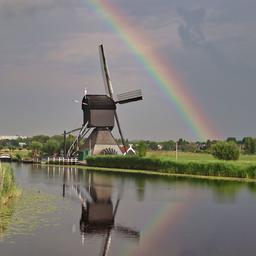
[(65, 144), (176, 151)]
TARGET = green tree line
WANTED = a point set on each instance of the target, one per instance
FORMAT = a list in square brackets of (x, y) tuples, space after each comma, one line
[(41, 145)]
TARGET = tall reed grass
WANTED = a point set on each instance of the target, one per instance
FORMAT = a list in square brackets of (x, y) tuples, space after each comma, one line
[(7, 183), (163, 165)]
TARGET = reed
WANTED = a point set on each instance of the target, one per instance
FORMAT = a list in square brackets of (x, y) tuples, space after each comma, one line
[(8, 187), (163, 165)]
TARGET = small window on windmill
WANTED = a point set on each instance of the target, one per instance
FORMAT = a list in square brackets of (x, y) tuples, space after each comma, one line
[(99, 110)]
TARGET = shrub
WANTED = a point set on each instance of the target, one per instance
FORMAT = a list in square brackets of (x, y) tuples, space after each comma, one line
[(225, 150), (18, 157)]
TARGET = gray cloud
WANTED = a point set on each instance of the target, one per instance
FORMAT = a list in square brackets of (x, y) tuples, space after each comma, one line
[(11, 8), (190, 30), (192, 34)]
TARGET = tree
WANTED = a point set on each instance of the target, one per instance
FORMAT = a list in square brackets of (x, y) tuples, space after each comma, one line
[(36, 148), (225, 150), (232, 139), (70, 139), (208, 144), (153, 145), (169, 145), (40, 138), (142, 149), (186, 146), (249, 145), (51, 147)]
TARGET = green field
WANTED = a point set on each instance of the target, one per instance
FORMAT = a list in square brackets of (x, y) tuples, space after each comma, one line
[(188, 156)]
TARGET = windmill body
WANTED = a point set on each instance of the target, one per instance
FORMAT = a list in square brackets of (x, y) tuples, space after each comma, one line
[(99, 114), (99, 111)]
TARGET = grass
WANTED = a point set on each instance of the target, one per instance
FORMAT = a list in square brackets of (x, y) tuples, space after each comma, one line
[(184, 156), (8, 188), (188, 156)]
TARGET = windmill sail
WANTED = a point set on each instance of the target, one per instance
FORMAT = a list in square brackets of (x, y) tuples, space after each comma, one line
[(129, 96), (105, 73), (109, 87)]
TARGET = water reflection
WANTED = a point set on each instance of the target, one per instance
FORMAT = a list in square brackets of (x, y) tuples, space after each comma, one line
[(26, 214), (98, 209), (209, 221), (222, 190), (6, 212)]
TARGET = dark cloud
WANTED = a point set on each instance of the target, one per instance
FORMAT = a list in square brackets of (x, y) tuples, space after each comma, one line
[(192, 35)]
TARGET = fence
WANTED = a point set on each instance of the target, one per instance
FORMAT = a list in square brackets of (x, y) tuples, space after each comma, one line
[(62, 160)]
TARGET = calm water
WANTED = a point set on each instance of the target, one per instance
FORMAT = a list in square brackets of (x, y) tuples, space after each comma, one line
[(68, 211)]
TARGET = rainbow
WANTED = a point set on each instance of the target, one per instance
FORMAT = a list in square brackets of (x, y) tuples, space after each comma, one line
[(166, 217), (160, 70)]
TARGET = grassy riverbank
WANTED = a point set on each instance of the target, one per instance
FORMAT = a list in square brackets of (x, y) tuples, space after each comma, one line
[(8, 188), (214, 168)]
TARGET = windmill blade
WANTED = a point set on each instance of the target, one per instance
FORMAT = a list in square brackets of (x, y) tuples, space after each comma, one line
[(105, 72), (108, 237), (106, 244), (120, 131), (127, 232), (109, 87), (129, 96)]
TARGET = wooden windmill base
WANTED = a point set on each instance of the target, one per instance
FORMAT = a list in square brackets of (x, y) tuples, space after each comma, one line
[(101, 142)]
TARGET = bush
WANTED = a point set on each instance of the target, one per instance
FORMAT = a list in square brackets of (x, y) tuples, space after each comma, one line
[(18, 157), (225, 150), (127, 162)]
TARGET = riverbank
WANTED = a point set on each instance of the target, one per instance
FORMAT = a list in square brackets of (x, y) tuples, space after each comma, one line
[(154, 173), (8, 187), (215, 169)]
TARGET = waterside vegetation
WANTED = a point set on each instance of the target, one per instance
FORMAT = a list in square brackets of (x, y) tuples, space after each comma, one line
[(215, 168), (8, 188)]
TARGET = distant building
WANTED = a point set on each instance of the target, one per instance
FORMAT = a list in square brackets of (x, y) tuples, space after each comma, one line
[(22, 144), (12, 137), (159, 146)]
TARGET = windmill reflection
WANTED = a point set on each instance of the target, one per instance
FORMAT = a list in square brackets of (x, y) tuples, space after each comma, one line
[(99, 210)]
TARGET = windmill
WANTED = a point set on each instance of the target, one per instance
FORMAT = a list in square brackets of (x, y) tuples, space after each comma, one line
[(100, 117)]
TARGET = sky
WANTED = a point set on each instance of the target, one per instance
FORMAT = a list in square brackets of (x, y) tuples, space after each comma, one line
[(49, 54)]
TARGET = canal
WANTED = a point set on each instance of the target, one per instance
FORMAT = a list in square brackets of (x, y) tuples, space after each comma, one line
[(68, 211)]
